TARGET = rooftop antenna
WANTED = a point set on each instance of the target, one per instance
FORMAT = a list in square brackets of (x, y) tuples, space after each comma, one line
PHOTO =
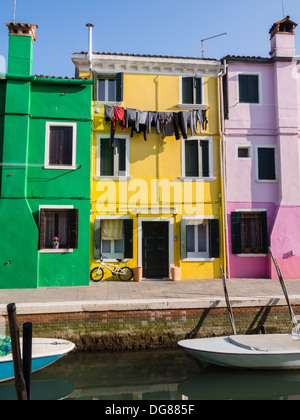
[(205, 39), (15, 6)]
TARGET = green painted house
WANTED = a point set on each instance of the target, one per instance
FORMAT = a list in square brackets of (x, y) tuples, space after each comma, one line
[(45, 146)]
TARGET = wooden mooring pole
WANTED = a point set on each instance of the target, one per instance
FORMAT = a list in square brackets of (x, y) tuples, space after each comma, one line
[(228, 301), (27, 356), (16, 352), (293, 318)]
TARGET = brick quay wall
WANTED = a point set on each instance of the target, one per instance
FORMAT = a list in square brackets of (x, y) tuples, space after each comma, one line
[(115, 330)]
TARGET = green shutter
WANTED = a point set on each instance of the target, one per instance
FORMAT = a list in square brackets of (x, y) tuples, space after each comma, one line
[(187, 90), (128, 238), (183, 247), (214, 238), (73, 214), (204, 148), (235, 233), (265, 236), (97, 239), (198, 90), (191, 158), (42, 236), (95, 85), (119, 87)]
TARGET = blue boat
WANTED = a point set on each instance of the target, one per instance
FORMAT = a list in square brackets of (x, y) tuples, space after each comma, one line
[(45, 351)]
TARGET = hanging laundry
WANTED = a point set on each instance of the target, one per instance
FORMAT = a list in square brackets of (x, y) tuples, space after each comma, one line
[(153, 121), (131, 116), (187, 119), (166, 123), (108, 112), (141, 123), (205, 120), (119, 115), (198, 117), (178, 125)]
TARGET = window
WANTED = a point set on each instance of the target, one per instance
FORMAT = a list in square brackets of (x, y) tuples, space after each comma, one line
[(243, 152), (266, 164), (200, 238), (61, 223), (249, 232), (197, 158), (113, 238), (248, 88), (60, 147), (108, 88), (192, 90), (113, 161)]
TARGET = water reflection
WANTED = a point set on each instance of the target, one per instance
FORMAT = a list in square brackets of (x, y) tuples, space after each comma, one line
[(156, 375)]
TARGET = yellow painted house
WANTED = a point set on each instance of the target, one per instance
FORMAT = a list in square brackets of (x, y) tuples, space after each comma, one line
[(157, 197)]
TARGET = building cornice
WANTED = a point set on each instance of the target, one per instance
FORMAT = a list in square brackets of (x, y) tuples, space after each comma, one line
[(146, 64)]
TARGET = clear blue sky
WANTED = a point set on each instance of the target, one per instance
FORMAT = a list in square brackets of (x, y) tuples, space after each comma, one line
[(159, 27)]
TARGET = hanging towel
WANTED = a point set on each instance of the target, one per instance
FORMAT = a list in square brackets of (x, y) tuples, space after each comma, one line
[(112, 229)]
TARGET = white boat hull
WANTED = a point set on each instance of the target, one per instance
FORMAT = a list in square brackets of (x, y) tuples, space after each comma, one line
[(45, 351), (274, 351)]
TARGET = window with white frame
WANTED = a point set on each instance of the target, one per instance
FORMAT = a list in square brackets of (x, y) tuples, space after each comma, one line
[(112, 160), (266, 163), (113, 237), (199, 238), (108, 87), (197, 157), (192, 90), (249, 88), (243, 151), (60, 145), (59, 223)]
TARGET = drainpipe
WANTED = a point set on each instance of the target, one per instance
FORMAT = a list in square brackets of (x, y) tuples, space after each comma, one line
[(90, 51), (223, 167)]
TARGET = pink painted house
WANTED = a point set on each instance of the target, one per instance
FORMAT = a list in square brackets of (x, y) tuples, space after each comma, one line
[(261, 111)]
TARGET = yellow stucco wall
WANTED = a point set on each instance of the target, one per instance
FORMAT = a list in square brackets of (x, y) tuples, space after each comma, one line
[(158, 159)]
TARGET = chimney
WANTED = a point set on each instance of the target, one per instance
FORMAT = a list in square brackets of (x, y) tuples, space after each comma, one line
[(90, 50), (20, 51), (283, 38)]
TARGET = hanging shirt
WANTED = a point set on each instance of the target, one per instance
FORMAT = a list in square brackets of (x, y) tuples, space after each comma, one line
[(119, 115)]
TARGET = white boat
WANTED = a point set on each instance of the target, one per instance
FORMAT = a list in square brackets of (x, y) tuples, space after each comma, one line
[(45, 351), (255, 351)]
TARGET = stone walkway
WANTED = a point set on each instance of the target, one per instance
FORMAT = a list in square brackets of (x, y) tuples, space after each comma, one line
[(149, 294)]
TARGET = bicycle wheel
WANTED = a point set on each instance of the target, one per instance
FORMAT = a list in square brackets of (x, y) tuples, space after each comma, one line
[(126, 274), (95, 276)]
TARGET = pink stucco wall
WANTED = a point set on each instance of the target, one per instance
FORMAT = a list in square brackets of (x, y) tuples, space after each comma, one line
[(272, 122)]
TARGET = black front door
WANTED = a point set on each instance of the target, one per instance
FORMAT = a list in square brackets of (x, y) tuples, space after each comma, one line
[(155, 249)]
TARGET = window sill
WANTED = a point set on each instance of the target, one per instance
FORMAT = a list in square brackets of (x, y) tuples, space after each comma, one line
[(203, 179), (112, 178), (192, 106), (111, 103), (252, 255), (272, 181), (113, 260), (61, 167), (197, 259), (56, 251)]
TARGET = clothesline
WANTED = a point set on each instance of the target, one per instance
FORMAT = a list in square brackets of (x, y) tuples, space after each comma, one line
[(165, 123)]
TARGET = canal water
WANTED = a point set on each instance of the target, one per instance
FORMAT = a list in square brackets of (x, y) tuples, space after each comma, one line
[(157, 375)]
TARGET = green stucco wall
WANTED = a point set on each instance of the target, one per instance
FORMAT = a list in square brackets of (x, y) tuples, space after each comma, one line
[(26, 104)]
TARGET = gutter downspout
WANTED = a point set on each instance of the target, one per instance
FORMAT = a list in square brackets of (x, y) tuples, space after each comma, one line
[(223, 168)]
